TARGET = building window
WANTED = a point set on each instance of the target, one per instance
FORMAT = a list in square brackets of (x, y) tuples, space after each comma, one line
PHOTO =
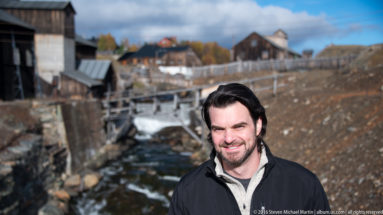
[(28, 58), (16, 56), (265, 54), (253, 43)]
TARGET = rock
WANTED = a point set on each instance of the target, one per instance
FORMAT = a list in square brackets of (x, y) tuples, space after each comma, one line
[(91, 180), (170, 193), (151, 172), (286, 131), (73, 181), (50, 209), (324, 181), (5, 170), (325, 120), (62, 195)]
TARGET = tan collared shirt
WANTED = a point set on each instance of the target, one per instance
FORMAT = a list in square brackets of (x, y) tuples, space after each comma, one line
[(243, 196)]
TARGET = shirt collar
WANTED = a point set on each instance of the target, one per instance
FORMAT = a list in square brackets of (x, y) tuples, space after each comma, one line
[(219, 168)]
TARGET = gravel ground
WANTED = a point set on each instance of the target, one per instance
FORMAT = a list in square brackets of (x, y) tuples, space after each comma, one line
[(332, 123)]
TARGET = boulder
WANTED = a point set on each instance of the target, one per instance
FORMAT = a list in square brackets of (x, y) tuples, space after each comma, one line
[(73, 181), (91, 180), (62, 195)]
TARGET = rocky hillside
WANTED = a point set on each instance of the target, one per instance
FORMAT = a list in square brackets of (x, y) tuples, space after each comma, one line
[(332, 123)]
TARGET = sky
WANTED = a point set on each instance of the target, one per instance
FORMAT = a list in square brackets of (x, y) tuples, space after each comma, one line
[(309, 24)]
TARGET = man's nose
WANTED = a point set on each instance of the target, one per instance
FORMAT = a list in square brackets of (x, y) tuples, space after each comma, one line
[(229, 136)]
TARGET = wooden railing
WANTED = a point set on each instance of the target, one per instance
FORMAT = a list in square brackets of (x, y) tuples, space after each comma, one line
[(123, 105)]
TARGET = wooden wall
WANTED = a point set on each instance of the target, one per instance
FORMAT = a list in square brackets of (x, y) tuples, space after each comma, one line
[(70, 87), (48, 21), (262, 50)]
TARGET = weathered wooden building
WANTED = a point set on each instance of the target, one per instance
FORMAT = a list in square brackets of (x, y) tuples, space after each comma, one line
[(77, 85), (100, 70), (16, 58), (307, 53), (85, 49), (55, 33), (258, 47), (154, 55), (92, 79)]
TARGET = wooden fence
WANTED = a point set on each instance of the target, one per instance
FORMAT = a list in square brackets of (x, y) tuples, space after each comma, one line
[(272, 65)]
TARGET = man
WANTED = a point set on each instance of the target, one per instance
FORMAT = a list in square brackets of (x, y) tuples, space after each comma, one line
[(242, 176)]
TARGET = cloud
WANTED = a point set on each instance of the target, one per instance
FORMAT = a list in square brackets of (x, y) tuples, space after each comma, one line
[(224, 21)]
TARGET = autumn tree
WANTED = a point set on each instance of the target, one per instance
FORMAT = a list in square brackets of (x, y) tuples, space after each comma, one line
[(106, 42), (133, 48), (210, 52)]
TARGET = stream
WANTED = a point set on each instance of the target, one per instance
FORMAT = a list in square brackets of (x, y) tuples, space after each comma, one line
[(141, 181)]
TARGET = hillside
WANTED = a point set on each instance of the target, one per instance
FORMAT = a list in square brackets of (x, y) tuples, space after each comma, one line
[(339, 51), (332, 123)]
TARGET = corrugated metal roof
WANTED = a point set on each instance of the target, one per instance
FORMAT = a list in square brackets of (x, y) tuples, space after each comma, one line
[(82, 78), (95, 69), (42, 5), (81, 40), (8, 18)]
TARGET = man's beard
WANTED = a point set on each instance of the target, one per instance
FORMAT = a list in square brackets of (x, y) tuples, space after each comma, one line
[(241, 160)]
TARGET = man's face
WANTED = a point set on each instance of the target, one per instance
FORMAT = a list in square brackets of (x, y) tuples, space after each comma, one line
[(233, 133)]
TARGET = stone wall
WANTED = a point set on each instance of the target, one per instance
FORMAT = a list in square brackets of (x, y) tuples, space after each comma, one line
[(43, 145), (24, 161)]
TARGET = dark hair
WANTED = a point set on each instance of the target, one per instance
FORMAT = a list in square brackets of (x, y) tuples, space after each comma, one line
[(229, 94)]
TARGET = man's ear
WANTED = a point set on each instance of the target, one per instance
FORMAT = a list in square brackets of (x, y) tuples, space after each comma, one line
[(258, 126)]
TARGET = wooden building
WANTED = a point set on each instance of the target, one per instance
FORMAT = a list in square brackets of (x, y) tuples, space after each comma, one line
[(77, 85), (92, 79), (85, 49), (167, 42), (100, 70), (124, 59), (154, 55), (16, 58), (258, 47), (55, 33), (307, 53)]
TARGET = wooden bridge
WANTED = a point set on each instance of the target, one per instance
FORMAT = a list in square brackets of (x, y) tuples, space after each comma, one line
[(122, 107)]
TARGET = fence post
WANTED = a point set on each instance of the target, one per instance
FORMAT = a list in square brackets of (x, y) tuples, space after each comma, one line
[(197, 95), (275, 85), (175, 102), (156, 105)]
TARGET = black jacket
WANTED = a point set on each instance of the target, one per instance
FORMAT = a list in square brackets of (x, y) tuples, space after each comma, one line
[(286, 188)]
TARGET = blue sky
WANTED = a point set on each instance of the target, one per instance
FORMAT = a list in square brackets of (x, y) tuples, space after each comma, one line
[(310, 24)]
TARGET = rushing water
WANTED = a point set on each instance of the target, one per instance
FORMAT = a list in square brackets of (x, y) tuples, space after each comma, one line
[(140, 182)]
